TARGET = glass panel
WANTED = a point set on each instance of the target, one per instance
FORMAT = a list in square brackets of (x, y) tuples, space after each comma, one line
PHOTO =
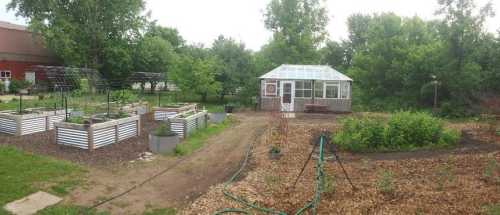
[(299, 84), (307, 93), (332, 91), (318, 89), (299, 93), (287, 88), (344, 93), (308, 85)]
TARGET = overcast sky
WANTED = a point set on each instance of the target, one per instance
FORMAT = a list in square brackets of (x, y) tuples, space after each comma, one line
[(201, 21)]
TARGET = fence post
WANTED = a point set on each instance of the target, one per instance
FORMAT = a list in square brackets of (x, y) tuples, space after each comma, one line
[(90, 138), (138, 125), (117, 135)]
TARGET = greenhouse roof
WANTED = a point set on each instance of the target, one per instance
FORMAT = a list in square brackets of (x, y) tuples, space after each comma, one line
[(305, 72)]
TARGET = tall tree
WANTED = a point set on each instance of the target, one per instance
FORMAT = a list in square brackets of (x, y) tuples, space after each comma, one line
[(236, 66), (196, 72), (87, 33), (168, 34), (299, 28)]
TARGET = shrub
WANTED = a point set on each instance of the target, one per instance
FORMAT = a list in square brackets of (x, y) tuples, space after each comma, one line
[(16, 85), (412, 130), (123, 96), (385, 182), (360, 134), (403, 131), (163, 130)]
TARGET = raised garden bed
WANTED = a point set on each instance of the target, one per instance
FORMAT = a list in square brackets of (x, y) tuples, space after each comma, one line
[(188, 122), (30, 121), (139, 108), (171, 110), (96, 132)]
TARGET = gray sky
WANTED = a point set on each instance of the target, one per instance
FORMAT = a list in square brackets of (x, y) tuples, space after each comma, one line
[(201, 21)]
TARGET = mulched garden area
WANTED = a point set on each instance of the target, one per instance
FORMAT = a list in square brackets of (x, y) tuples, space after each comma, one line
[(452, 181), (44, 143)]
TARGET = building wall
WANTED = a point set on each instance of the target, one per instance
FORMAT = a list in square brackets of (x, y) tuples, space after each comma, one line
[(20, 49), (334, 105)]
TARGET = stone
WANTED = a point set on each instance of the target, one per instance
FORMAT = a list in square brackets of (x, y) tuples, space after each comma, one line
[(32, 203)]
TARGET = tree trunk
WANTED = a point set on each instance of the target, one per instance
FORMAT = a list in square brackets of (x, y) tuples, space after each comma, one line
[(204, 96)]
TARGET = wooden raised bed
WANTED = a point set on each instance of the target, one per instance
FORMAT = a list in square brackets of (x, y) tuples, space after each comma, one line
[(96, 135), (164, 113), (184, 126), (36, 121)]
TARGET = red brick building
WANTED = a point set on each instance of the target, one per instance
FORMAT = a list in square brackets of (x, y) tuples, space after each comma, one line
[(20, 49)]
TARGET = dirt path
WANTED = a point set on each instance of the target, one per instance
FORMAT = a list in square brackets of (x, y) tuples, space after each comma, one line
[(191, 178)]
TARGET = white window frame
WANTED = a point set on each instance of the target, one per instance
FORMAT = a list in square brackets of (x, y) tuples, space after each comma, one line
[(303, 89), (347, 89), (3, 74), (329, 84), (269, 82)]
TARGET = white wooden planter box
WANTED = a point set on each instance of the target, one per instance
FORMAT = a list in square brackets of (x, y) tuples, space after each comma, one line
[(40, 121), (93, 136), (185, 126), (164, 113)]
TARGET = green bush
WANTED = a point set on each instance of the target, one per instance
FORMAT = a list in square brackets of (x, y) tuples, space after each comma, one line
[(163, 130), (16, 85), (360, 134), (403, 131)]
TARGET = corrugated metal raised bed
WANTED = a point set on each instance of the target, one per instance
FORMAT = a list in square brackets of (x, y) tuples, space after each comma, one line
[(28, 123), (170, 111), (185, 125), (95, 135)]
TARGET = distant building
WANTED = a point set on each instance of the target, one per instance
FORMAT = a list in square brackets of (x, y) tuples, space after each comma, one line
[(20, 49), (297, 88)]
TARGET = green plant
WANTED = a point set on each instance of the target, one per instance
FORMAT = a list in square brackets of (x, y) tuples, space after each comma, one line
[(385, 182), (275, 149), (16, 85), (163, 130), (360, 134), (493, 209), (329, 184), (444, 175), (123, 96), (491, 172), (76, 120), (497, 132), (402, 131)]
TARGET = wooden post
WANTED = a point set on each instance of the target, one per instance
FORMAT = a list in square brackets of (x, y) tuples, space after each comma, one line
[(47, 123), (117, 134), (184, 131), (90, 138), (19, 125), (139, 127)]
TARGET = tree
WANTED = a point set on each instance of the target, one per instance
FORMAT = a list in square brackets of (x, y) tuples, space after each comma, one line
[(335, 54), (196, 72), (87, 33), (154, 54), (235, 69), (168, 34), (299, 28)]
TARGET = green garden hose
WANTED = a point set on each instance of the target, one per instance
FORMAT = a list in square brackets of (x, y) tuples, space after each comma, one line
[(310, 205)]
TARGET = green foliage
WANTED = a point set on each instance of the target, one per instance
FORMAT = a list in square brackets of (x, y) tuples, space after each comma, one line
[(493, 209), (299, 28), (24, 173), (161, 211), (16, 85), (491, 172), (154, 54), (69, 210), (123, 96), (402, 131), (163, 130), (385, 182), (444, 175), (97, 34), (359, 134), (76, 120), (196, 140)]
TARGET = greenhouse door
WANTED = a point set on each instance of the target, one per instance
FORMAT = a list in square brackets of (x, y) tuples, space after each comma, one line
[(287, 96)]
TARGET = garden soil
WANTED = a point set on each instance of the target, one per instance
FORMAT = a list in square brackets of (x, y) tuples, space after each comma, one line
[(448, 181)]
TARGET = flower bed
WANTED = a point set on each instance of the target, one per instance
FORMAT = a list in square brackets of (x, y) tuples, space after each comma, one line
[(29, 122), (184, 124), (97, 133), (170, 111)]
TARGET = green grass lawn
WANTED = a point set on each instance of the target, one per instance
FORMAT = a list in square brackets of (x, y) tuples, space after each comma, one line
[(197, 139), (22, 174)]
